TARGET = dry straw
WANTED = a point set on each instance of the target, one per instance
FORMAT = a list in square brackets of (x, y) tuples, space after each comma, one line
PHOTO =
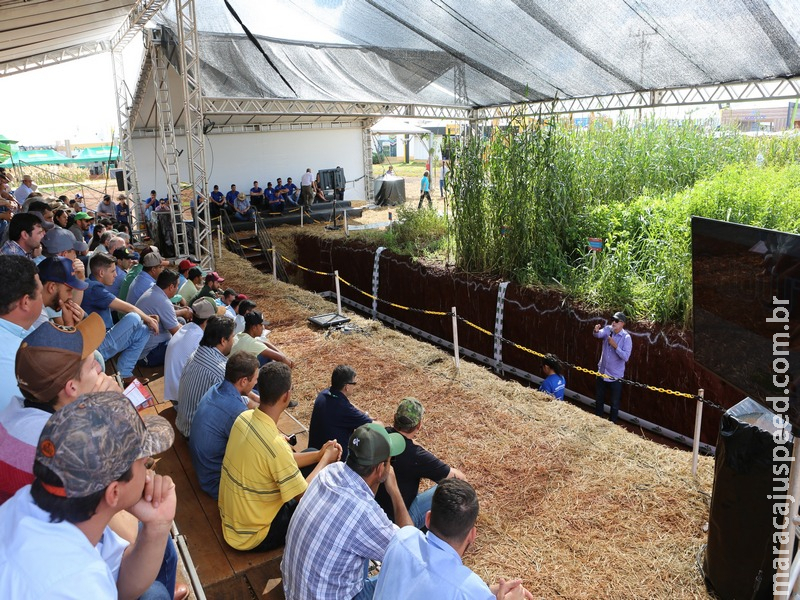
[(575, 506)]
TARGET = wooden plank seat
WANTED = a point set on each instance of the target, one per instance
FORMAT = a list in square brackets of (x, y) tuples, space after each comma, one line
[(223, 572)]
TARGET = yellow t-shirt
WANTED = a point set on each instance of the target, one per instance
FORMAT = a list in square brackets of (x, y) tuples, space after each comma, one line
[(259, 475)]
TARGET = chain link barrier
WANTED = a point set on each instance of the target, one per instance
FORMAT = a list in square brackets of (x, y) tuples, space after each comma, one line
[(630, 382)]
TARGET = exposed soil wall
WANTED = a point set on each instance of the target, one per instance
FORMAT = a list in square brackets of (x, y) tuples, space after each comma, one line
[(541, 320)]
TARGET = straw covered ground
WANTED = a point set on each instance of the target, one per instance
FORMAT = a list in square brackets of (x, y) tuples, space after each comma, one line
[(577, 507)]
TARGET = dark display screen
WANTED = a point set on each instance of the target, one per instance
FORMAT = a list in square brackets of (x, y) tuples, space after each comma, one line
[(746, 314)]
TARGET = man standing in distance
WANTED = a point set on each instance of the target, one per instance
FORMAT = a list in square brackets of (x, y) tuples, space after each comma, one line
[(616, 350)]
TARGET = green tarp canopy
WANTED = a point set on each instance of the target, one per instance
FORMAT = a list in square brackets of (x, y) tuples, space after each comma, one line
[(36, 157), (93, 155)]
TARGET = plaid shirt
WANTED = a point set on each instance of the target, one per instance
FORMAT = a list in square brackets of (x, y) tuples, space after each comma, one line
[(11, 248), (337, 527)]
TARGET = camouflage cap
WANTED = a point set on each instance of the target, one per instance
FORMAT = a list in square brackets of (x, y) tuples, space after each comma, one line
[(409, 413), (371, 444), (93, 441)]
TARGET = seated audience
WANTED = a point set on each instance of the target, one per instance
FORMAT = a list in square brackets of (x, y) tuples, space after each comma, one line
[(554, 383), (20, 307), (152, 266), (250, 341), (183, 344), (124, 261), (91, 464), (205, 368), (227, 298), (53, 368), (245, 306), (274, 201), (338, 527), (81, 225), (242, 211), (291, 192), (62, 292), (150, 204), (25, 233), (256, 195), (122, 213), (105, 209), (128, 337), (333, 416), (217, 202), (218, 409), (261, 483), (188, 290), (210, 289), (419, 565), (183, 269), (231, 196), (155, 301), (163, 205), (97, 231), (413, 464)]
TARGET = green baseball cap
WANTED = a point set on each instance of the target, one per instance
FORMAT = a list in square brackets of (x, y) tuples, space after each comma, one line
[(409, 413), (91, 442), (371, 444)]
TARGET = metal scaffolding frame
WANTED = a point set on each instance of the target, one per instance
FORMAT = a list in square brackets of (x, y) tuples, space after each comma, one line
[(366, 147), (744, 91), (126, 161), (166, 126), (53, 58), (195, 143)]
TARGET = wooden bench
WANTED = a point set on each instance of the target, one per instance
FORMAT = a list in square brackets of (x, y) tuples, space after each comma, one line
[(224, 573)]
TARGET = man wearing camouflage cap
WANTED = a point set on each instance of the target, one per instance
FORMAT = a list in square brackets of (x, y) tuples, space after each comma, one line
[(413, 464), (338, 527), (91, 463)]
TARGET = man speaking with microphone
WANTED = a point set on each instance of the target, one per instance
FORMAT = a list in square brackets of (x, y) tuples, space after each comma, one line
[(616, 347)]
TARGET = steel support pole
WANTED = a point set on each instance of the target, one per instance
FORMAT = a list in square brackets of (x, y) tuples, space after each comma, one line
[(195, 137)]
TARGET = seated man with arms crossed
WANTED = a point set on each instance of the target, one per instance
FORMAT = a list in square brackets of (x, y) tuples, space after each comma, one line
[(91, 463), (429, 565), (261, 482), (413, 464)]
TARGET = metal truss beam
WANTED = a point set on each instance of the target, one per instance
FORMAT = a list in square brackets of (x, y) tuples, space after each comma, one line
[(188, 46), (169, 151), (768, 89), (140, 14), (47, 59), (152, 132), (278, 107), (126, 162)]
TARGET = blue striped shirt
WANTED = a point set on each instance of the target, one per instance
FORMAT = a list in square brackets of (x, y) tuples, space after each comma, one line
[(337, 527)]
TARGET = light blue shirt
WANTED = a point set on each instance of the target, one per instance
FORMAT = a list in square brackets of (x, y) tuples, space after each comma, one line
[(143, 282), (155, 302), (612, 360), (211, 428), (418, 565), (11, 336)]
